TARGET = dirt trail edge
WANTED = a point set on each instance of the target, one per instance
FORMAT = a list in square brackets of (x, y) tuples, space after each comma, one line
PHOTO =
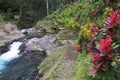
[(60, 64)]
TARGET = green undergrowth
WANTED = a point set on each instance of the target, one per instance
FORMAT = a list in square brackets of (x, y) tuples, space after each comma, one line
[(49, 24), (52, 27), (73, 16), (55, 72), (51, 63), (81, 67), (1, 18)]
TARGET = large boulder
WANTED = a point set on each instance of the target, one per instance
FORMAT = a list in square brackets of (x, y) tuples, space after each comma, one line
[(9, 32), (41, 44)]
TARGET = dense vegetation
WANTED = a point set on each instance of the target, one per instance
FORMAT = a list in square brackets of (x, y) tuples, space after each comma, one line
[(96, 24)]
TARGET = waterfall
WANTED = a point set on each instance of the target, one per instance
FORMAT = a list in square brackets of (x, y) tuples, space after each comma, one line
[(10, 55)]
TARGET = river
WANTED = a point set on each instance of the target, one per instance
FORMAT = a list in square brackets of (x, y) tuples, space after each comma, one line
[(13, 66)]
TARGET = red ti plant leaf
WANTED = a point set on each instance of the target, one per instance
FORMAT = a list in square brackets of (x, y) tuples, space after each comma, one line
[(97, 60), (105, 45), (111, 4), (99, 64), (109, 57), (95, 28), (101, 57), (111, 32), (105, 68), (93, 49), (95, 56), (113, 20)]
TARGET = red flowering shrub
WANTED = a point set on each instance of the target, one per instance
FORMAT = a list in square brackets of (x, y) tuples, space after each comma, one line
[(102, 40), (101, 57), (113, 19)]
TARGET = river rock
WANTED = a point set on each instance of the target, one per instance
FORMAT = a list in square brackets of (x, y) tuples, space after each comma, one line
[(42, 44), (9, 32), (36, 31)]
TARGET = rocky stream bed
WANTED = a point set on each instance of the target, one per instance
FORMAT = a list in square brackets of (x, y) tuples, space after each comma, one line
[(32, 51), (36, 44)]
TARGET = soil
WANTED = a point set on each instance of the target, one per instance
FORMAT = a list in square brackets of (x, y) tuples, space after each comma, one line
[(68, 63)]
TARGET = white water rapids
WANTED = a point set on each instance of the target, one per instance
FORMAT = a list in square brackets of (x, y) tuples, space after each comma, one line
[(10, 55)]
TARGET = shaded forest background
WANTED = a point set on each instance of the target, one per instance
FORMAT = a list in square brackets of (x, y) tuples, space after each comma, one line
[(25, 13)]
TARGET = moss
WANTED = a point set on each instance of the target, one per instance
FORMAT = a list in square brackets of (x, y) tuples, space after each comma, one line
[(1, 18), (54, 72), (49, 24), (48, 63)]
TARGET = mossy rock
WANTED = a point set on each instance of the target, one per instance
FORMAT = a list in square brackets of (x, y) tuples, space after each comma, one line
[(49, 24), (67, 34)]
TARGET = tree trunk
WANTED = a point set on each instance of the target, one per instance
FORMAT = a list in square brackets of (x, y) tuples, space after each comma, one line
[(20, 14), (47, 6)]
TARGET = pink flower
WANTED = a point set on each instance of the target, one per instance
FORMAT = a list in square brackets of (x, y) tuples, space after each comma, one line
[(78, 48), (95, 28), (113, 20), (92, 71)]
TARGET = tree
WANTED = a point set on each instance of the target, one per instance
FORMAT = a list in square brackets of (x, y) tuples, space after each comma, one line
[(47, 7)]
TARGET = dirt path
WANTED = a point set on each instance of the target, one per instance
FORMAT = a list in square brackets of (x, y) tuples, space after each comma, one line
[(67, 64), (61, 65)]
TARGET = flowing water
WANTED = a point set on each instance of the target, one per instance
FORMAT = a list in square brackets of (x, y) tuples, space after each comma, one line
[(16, 67), (10, 55)]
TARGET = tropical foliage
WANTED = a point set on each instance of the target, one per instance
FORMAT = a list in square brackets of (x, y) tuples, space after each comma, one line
[(103, 44), (97, 27)]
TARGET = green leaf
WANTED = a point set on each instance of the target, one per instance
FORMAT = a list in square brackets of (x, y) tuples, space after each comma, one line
[(116, 46)]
